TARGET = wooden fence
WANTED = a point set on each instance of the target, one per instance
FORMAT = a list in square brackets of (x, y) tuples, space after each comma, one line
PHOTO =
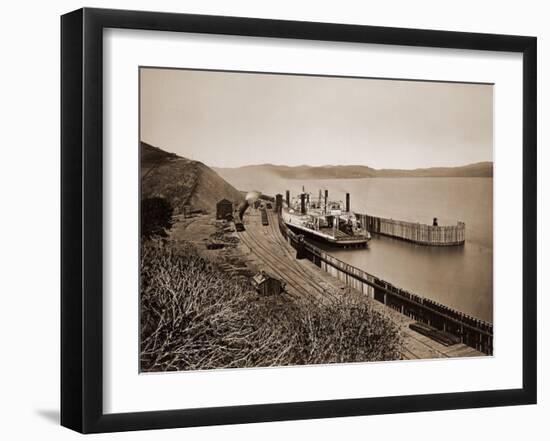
[(471, 331), (445, 235)]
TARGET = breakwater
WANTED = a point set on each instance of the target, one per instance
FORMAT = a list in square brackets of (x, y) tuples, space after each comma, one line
[(444, 235), (471, 331)]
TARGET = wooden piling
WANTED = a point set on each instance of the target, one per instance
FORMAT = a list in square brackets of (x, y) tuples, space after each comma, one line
[(436, 235)]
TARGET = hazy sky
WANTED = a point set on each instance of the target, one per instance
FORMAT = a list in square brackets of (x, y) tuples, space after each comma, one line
[(231, 119)]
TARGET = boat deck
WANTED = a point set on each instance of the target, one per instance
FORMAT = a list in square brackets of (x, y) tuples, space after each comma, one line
[(329, 234), (337, 234)]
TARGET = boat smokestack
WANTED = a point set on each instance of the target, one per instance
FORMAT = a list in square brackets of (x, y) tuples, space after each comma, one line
[(278, 202), (303, 203), (347, 203), (326, 200), (288, 198)]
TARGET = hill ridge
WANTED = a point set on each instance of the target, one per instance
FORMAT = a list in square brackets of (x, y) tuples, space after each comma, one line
[(182, 181), (478, 169)]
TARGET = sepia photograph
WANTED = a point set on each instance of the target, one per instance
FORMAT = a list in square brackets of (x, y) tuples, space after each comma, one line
[(293, 220)]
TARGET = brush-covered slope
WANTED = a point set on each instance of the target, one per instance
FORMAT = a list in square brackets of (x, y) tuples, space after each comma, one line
[(182, 181)]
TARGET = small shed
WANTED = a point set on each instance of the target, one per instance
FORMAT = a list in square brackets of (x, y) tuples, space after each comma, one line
[(267, 284), (224, 208)]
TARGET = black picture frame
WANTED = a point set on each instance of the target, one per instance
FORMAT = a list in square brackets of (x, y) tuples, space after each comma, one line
[(82, 212)]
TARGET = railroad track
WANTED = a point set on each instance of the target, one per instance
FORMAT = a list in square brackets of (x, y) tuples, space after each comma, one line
[(252, 245), (277, 265), (297, 267), (277, 236), (293, 274), (290, 252)]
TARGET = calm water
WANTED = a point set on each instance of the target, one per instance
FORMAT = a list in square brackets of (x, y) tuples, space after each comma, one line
[(459, 277)]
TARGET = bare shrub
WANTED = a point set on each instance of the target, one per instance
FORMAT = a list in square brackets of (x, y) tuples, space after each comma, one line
[(195, 316)]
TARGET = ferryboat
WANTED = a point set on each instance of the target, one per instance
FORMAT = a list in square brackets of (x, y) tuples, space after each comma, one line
[(327, 221)]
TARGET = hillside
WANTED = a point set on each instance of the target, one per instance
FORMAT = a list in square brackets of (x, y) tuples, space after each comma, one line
[(182, 181), (481, 169)]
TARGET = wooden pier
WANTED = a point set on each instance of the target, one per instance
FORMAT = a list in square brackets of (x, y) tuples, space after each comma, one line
[(433, 235), (271, 251)]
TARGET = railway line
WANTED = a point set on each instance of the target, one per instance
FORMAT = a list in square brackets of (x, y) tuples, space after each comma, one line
[(310, 276), (291, 281), (287, 270), (276, 237)]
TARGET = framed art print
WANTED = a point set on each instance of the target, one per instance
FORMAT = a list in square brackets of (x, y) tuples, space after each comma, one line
[(268, 220)]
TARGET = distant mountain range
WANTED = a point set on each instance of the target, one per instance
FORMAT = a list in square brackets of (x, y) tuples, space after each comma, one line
[(480, 169)]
